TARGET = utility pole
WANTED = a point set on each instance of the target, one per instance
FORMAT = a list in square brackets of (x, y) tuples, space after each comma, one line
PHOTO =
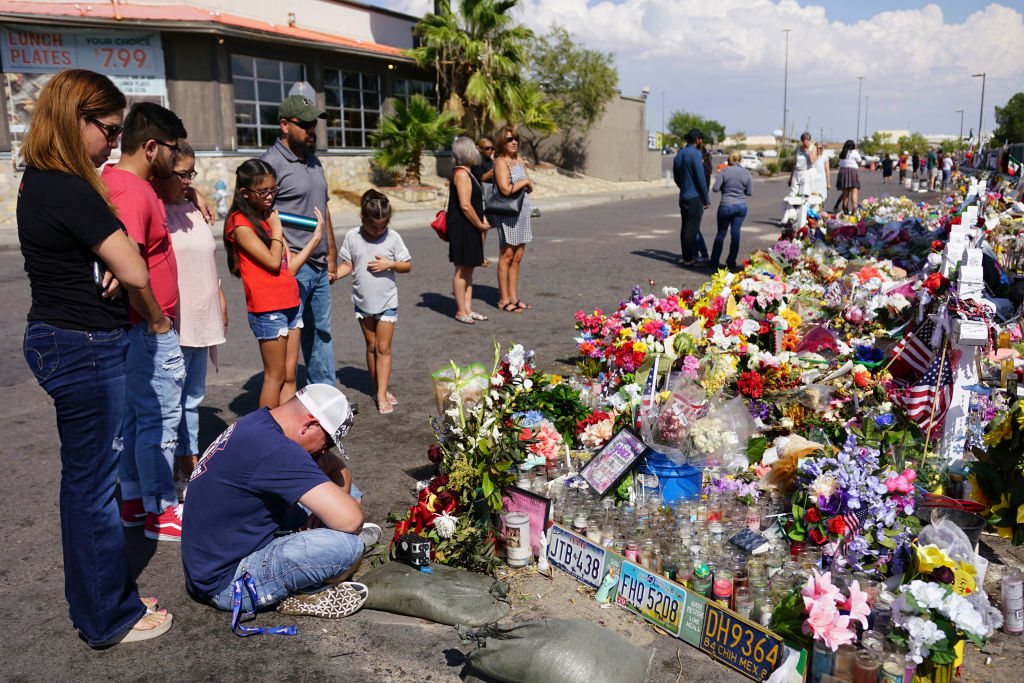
[(860, 82), (785, 87), (867, 101), (981, 113)]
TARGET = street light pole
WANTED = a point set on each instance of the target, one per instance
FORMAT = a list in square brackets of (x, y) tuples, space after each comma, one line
[(981, 113), (860, 82), (867, 101), (785, 88), (960, 141)]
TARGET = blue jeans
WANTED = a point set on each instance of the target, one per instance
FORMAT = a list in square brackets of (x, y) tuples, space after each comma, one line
[(192, 394), (317, 348), (297, 563), (691, 211), (156, 375), (945, 179), (728, 215), (84, 374)]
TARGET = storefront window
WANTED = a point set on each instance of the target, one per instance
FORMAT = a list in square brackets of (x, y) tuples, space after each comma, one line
[(353, 107), (260, 85), (405, 88)]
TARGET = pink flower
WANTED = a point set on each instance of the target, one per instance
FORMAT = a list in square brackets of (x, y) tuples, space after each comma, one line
[(691, 367), (857, 605), (548, 442), (826, 624), (819, 590), (854, 315)]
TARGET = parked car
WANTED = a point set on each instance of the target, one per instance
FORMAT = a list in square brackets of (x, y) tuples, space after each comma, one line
[(750, 161), (871, 158), (770, 153)]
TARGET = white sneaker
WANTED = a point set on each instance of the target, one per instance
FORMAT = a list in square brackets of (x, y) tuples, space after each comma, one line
[(370, 534)]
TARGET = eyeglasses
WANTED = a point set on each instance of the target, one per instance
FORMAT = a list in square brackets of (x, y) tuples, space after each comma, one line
[(186, 175), (175, 150), (512, 139), (263, 194), (304, 125), (110, 130), (328, 439), (487, 148)]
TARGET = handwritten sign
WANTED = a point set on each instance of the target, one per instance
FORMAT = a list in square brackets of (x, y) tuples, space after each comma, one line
[(652, 597), (610, 464), (576, 556), (515, 499), (692, 625), (740, 644)]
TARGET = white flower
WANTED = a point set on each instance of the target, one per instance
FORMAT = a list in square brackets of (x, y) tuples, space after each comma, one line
[(962, 613), (787, 423), (633, 391), (617, 402), (720, 339), (669, 291), (632, 311), (823, 485), (445, 524), (749, 327), (898, 301), (844, 349), (516, 358), (927, 595)]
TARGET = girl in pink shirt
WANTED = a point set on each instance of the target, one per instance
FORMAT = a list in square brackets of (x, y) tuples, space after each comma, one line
[(203, 318)]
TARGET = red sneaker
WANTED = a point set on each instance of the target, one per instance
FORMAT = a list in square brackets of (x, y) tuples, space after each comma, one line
[(165, 526), (133, 513)]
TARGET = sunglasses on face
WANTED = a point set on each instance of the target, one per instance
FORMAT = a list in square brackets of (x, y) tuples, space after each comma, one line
[(110, 130), (487, 148), (328, 439), (304, 125), (263, 194), (512, 139)]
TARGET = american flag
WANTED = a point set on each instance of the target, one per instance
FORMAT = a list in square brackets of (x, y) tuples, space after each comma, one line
[(919, 399), (854, 520), (913, 354)]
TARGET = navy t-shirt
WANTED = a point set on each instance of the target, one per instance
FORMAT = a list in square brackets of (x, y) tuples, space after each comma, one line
[(237, 497)]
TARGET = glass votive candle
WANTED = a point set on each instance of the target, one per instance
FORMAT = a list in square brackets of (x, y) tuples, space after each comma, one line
[(842, 663), (865, 667)]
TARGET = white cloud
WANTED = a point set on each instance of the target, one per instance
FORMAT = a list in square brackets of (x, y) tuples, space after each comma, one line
[(725, 58)]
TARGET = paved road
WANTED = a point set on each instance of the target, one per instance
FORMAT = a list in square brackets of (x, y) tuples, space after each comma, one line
[(581, 258)]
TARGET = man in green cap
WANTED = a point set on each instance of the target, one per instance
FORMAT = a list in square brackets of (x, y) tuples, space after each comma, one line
[(303, 189)]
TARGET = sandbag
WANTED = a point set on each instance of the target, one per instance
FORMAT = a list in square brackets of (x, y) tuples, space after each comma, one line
[(554, 651), (447, 595)]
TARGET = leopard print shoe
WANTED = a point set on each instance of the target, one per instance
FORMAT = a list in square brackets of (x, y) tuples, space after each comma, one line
[(336, 602)]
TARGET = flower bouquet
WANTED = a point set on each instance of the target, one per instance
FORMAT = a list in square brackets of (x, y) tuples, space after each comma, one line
[(821, 612), (997, 478)]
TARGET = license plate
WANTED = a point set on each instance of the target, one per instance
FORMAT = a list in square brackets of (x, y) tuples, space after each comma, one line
[(739, 644), (576, 556), (653, 597)]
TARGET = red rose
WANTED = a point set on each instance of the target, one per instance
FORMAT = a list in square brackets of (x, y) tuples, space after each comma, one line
[(812, 515), (818, 537), (935, 282), (837, 526)]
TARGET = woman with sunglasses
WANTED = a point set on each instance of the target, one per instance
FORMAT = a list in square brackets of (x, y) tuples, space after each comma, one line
[(202, 309), (78, 258), (514, 232), (257, 253)]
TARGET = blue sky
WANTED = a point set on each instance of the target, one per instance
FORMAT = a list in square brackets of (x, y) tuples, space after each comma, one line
[(725, 59)]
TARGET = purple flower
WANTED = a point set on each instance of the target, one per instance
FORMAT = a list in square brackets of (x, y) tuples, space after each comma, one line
[(831, 505)]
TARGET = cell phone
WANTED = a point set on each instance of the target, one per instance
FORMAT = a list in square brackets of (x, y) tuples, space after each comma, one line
[(98, 271)]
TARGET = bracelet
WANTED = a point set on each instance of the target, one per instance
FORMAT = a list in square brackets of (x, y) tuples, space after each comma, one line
[(275, 239)]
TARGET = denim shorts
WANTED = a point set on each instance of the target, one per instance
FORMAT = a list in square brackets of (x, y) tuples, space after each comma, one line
[(274, 324), (389, 315)]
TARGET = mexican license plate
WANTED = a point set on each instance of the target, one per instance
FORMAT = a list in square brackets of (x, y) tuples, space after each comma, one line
[(576, 556), (740, 644), (653, 597)]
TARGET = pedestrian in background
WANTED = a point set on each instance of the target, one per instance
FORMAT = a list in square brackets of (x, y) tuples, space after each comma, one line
[(735, 184), (303, 191), (947, 169), (801, 178), (688, 173), (258, 253), (848, 179), (514, 232), (466, 227), (373, 253), (932, 164), (823, 174), (886, 169), (202, 309), (484, 172), (915, 166), (76, 342)]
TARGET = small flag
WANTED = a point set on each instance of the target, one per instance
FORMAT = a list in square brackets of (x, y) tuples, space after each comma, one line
[(913, 354), (853, 520), (1013, 166), (934, 389)]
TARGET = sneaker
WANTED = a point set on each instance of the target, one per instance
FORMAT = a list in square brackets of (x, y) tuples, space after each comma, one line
[(166, 526), (133, 513), (340, 600), (370, 534)]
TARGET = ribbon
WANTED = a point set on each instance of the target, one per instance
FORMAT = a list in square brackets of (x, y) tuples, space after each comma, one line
[(243, 631)]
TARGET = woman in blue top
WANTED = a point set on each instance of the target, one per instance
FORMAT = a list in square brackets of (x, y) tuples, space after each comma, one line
[(735, 183)]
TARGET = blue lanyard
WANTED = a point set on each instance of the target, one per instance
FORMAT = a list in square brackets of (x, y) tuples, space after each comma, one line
[(243, 631)]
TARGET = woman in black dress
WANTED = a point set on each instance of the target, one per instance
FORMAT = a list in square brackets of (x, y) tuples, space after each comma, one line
[(466, 227)]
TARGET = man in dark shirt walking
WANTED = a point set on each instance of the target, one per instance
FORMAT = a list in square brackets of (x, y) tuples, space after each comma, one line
[(688, 172)]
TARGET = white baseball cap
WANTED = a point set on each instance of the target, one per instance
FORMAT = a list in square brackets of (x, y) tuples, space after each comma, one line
[(329, 406)]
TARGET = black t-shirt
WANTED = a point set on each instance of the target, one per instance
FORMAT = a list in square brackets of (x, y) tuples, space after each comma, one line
[(485, 165), (60, 218)]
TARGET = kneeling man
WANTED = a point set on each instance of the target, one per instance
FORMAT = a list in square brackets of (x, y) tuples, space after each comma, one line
[(248, 488)]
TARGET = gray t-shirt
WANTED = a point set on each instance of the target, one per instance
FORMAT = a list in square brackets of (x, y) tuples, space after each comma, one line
[(373, 292), (303, 188), (734, 182)]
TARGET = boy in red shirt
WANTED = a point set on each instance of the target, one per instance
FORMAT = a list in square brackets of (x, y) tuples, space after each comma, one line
[(155, 365)]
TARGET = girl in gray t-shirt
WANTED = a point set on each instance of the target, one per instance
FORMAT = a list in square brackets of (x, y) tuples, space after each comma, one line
[(373, 253)]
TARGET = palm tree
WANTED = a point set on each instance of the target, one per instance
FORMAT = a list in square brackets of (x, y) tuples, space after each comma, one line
[(477, 54), (404, 135)]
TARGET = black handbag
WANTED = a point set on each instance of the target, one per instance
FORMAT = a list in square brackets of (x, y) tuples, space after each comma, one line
[(500, 204)]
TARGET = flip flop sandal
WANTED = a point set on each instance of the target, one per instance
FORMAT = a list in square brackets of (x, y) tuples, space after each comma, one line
[(385, 408), (477, 316), (510, 308), (133, 635), (465, 319), (391, 399), (521, 305), (340, 600)]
